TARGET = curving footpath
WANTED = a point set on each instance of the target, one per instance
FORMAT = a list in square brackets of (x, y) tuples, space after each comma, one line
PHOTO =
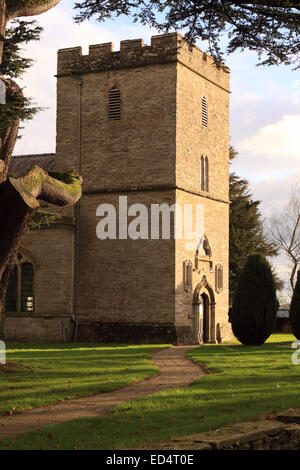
[(175, 371)]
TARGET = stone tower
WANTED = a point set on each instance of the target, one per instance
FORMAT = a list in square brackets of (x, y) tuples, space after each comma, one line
[(147, 125)]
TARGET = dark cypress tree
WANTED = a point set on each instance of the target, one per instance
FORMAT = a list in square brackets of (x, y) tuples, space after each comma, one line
[(295, 309), (255, 304), (246, 231)]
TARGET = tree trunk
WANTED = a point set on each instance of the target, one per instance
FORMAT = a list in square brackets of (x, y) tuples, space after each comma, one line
[(19, 196), (18, 205), (3, 21)]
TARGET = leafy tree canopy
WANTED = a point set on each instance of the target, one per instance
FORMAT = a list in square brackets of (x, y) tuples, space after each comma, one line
[(20, 32), (270, 28), (13, 66)]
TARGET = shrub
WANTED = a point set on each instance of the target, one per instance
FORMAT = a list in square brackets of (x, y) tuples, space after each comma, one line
[(255, 304)]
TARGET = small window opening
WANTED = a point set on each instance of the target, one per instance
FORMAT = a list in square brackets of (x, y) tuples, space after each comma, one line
[(114, 109), (204, 112), (204, 173), (188, 275), (219, 278)]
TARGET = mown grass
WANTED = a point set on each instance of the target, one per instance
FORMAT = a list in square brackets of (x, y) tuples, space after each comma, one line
[(39, 374), (248, 383)]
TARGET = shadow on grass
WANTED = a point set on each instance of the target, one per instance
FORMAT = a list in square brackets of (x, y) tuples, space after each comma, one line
[(252, 382), (47, 373)]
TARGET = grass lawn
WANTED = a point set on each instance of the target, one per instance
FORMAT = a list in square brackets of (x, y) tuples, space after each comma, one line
[(248, 383), (38, 375)]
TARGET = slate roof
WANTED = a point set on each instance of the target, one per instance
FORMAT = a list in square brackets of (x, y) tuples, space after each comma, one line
[(20, 164)]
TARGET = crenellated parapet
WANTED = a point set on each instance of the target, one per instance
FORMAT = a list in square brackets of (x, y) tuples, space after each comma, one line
[(165, 48)]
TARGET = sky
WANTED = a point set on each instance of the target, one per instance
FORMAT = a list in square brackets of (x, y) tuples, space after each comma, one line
[(264, 109)]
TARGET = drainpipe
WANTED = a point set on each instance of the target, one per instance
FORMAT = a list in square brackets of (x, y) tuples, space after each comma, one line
[(76, 277)]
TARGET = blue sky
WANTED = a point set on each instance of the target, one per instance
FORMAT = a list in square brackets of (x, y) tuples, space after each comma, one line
[(264, 111)]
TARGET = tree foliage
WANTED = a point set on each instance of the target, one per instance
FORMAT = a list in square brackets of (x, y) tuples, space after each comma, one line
[(13, 66), (295, 309), (270, 28), (255, 304), (19, 196), (246, 229), (20, 32)]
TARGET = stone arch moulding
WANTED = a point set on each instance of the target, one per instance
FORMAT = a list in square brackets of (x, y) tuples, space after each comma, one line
[(203, 284), (27, 255)]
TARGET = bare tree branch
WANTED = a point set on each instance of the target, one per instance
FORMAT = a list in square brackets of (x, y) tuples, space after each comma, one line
[(285, 231)]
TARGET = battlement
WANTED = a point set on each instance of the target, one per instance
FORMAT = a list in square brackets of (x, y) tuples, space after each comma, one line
[(164, 48)]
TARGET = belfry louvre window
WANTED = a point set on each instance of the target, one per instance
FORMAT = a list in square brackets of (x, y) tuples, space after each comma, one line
[(20, 291), (114, 105), (204, 112)]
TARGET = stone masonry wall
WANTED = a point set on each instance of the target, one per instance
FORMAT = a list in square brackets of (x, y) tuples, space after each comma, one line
[(154, 148), (216, 215), (136, 151), (52, 252), (194, 140), (198, 77), (125, 280)]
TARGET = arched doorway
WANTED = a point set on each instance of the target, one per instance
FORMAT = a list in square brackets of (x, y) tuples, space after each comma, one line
[(205, 328), (204, 313)]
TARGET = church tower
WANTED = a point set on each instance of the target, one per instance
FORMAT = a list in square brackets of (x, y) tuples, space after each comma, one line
[(148, 129)]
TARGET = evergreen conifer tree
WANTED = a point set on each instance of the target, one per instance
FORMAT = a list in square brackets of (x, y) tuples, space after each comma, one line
[(246, 233), (255, 304)]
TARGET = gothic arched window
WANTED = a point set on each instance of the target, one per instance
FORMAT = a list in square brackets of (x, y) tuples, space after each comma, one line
[(114, 104), (219, 278), (20, 289), (204, 173)]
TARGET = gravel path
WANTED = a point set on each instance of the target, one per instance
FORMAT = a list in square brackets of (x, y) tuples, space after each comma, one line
[(175, 371)]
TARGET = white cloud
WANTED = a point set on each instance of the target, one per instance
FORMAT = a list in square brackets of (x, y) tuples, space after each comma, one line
[(274, 193), (279, 139)]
